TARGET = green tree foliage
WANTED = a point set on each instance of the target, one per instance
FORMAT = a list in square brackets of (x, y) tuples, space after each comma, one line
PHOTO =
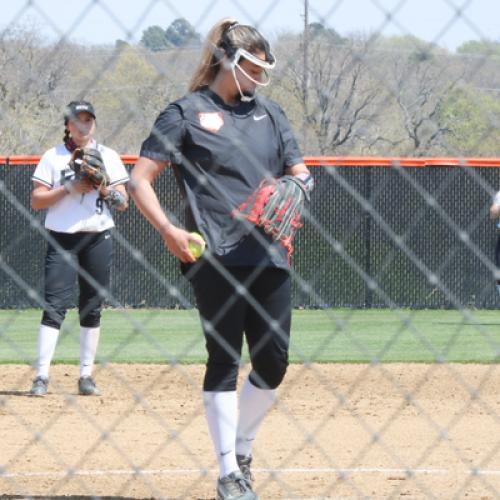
[(406, 43), (121, 44), (33, 84), (154, 38), (182, 34), (418, 50), (128, 96), (473, 118), (372, 95), (318, 30), (480, 47)]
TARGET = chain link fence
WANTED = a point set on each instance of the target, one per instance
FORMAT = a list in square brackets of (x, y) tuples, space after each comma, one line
[(392, 389)]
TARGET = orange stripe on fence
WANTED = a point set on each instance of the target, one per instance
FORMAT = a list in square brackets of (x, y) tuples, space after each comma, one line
[(328, 161), (378, 161), (34, 159), (361, 161), (23, 160), (129, 159)]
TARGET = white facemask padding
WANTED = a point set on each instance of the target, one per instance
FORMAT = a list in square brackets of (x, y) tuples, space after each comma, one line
[(234, 63)]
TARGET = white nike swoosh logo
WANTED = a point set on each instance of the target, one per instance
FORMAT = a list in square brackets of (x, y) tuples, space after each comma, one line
[(257, 118)]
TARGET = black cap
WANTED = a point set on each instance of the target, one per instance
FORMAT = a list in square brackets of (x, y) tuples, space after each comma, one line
[(75, 107)]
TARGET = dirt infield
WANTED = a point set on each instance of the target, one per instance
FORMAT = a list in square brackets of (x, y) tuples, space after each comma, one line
[(339, 431)]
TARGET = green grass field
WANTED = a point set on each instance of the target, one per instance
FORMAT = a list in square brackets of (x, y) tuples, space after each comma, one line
[(326, 336)]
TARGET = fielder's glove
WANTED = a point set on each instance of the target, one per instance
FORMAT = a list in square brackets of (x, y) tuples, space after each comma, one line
[(277, 207), (87, 162)]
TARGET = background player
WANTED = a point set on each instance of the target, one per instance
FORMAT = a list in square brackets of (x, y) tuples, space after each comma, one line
[(223, 140), (78, 221), (495, 215)]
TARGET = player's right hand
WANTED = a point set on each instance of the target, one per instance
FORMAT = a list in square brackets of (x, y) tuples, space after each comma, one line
[(177, 241), (81, 186)]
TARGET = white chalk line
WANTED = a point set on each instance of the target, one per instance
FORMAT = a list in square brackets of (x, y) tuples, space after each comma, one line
[(205, 472)]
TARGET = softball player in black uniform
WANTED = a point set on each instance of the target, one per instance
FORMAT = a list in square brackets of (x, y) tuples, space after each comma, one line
[(78, 221), (495, 215), (222, 140)]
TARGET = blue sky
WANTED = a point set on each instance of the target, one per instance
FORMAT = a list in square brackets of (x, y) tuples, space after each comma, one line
[(104, 21)]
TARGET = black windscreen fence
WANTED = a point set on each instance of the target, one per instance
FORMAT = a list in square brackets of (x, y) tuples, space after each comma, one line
[(417, 237)]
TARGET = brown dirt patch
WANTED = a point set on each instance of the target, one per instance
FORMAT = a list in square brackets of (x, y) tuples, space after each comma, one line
[(339, 431)]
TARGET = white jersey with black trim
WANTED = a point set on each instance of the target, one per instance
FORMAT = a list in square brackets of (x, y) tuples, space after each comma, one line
[(77, 212)]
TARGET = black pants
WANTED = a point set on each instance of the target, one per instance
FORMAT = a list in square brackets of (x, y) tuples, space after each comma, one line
[(89, 253), (497, 256), (263, 313)]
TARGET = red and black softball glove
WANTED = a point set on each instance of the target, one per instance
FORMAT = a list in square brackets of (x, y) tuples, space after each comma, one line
[(277, 207)]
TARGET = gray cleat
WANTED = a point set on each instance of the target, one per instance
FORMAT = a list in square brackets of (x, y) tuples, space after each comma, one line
[(234, 486), (244, 465), (40, 386), (87, 387)]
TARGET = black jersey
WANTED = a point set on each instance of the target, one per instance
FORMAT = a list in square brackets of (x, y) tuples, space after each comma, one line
[(220, 154)]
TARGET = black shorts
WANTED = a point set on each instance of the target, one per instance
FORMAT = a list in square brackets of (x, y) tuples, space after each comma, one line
[(497, 253)]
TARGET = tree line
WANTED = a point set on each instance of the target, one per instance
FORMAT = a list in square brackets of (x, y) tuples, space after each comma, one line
[(358, 95)]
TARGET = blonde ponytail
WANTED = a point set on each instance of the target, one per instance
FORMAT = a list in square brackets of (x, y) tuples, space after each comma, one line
[(209, 64)]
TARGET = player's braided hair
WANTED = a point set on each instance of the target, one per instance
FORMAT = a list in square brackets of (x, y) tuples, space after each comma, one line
[(68, 141)]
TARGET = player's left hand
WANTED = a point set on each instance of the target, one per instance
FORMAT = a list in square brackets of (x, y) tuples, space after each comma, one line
[(277, 207)]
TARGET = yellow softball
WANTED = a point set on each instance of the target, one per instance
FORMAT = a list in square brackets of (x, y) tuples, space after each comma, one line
[(197, 247)]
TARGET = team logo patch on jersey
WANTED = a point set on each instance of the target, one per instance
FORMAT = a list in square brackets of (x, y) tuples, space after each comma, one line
[(212, 121)]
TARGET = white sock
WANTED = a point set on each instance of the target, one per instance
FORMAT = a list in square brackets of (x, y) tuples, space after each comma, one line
[(221, 409), (47, 341), (255, 403), (89, 338)]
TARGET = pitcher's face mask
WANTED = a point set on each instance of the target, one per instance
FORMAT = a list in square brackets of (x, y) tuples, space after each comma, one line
[(266, 65)]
